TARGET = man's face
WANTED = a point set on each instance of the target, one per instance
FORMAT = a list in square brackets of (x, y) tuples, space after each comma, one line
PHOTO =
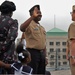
[(73, 15), (38, 18)]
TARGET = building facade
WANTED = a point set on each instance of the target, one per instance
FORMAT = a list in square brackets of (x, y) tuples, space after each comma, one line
[(56, 48)]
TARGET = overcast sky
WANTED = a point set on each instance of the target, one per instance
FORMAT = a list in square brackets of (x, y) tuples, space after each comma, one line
[(54, 12)]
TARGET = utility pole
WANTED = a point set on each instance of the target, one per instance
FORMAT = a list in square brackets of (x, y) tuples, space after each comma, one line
[(56, 60)]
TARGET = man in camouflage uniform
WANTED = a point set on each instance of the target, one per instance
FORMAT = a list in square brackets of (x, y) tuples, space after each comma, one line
[(8, 33)]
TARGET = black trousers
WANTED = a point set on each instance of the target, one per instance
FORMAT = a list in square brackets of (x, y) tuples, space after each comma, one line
[(47, 73), (37, 61)]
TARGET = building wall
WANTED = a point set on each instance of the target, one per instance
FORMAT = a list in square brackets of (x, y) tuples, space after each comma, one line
[(56, 51)]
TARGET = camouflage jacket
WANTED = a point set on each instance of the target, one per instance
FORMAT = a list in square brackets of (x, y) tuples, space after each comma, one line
[(8, 34)]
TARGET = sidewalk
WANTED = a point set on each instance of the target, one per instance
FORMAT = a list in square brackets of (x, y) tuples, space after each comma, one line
[(61, 72)]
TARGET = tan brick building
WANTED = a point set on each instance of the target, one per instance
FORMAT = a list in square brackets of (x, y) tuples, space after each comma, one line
[(56, 48)]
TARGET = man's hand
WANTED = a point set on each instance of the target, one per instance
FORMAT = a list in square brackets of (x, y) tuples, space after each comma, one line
[(36, 12), (46, 60), (2, 64)]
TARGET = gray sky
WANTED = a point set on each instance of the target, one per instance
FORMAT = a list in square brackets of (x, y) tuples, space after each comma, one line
[(54, 12)]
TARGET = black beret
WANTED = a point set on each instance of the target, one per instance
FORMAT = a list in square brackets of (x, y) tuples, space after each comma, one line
[(7, 6), (32, 9)]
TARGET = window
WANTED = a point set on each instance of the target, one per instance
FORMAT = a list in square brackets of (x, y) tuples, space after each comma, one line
[(52, 56), (51, 50), (64, 43), (58, 49), (57, 43), (51, 43), (59, 63), (64, 56), (52, 63), (64, 63), (64, 49), (58, 56)]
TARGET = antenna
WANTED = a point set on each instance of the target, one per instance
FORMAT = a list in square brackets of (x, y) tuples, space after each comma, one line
[(54, 21)]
